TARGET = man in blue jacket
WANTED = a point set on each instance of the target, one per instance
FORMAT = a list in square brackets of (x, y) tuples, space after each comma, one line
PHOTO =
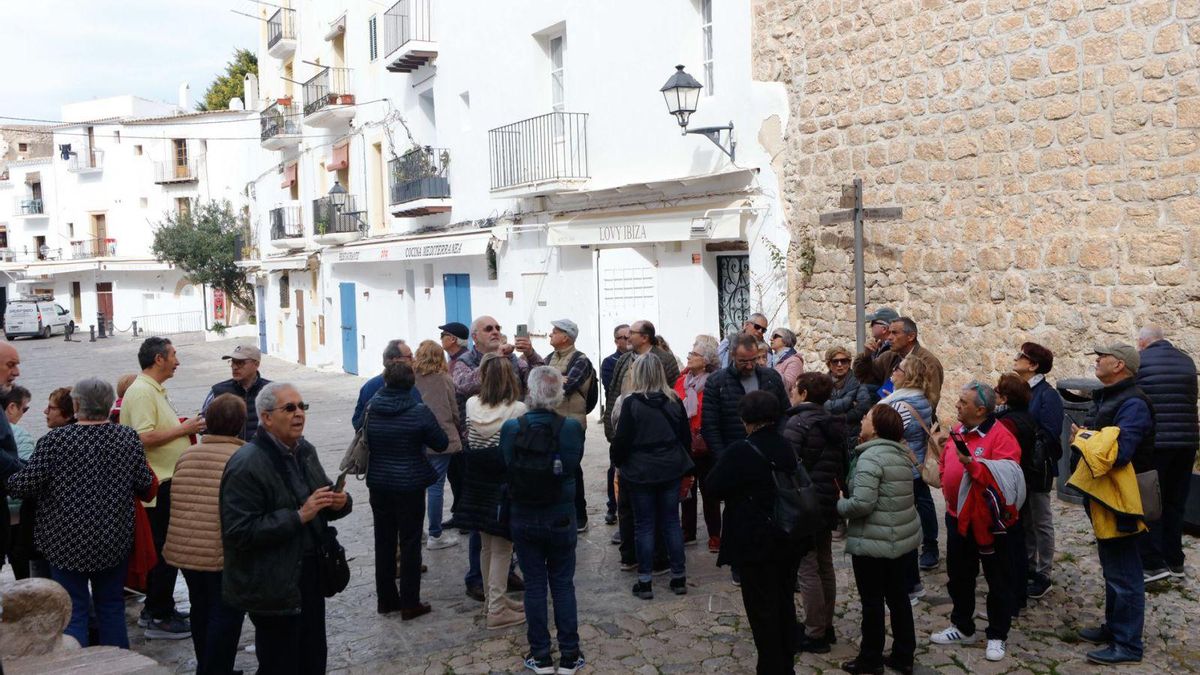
[(1168, 376), (395, 351)]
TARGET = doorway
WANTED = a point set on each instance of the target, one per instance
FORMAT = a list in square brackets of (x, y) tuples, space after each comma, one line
[(181, 157), (77, 301), (457, 289), (104, 301), (300, 328), (349, 328), (260, 304)]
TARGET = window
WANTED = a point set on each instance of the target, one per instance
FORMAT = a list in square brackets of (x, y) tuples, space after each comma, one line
[(557, 73), (71, 230), (22, 147), (706, 37), (117, 137), (285, 291), (183, 206), (373, 38), (137, 150)]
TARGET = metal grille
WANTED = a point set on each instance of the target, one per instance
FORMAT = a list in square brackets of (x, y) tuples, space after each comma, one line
[(285, 223), (405, 21), (281, 26), (733, 292), (324, 89), (420, 174), (330, 220), (279, 119), (544, 148)]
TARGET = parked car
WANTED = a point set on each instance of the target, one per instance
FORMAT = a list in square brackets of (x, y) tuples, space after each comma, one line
[(36, 318)]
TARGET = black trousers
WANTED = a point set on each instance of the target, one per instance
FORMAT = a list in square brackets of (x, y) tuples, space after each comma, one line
[(160, 583), (294, 644), (880, 581), (1018, 567), (612, 494), (963, 561), (216, 627), (1163, 545), (454, 474), (580, 499), (398, 518), (771, 608)]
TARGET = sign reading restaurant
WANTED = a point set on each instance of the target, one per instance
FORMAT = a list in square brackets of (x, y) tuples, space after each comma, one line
[(401, 251)]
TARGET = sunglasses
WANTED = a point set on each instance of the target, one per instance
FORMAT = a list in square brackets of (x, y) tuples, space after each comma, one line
[(490, 329), (759, 327), (291, 407), (24, 410), (775, 337), (622, 337), (840, 362)]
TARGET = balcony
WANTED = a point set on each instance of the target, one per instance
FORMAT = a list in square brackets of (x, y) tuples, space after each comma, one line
[(280, 124), (419, 183), (407, 39), (168, 173), (31, 208), (540, 155), (86, 161), (333, 226), (287, 228), (281, 33), (93, 248), (327, 99)]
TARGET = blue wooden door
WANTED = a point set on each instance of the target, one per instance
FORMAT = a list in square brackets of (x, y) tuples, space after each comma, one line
[(349, 329), (458, 298), (260, 301)]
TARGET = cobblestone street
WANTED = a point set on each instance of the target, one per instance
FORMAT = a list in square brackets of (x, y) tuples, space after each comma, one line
[(704, 631)]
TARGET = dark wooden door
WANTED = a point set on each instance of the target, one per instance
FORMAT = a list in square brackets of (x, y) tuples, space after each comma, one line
[(77, 301), (104, 300), (300, 327)]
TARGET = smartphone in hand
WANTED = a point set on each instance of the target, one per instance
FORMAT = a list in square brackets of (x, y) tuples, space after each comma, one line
[(340, 485), (960, 442), (522, 330)]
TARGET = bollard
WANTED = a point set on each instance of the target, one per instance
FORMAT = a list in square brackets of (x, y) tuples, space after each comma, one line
[(67, 330), (101, 322), (92, 330)]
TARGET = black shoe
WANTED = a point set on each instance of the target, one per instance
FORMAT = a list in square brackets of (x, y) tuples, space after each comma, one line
[(643, 590), (515, 583), (856, 667), (901, 667), (1111, 656), (1038, 587), (476, 593), (811, 645), (569, 664), (679, 586), (928, 559), (830, 636), (616, 538), (1099, 635), (541, 665), (610, 519), (410, 613)]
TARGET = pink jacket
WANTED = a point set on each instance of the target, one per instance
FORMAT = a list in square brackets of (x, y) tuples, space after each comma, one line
[(789, 369)]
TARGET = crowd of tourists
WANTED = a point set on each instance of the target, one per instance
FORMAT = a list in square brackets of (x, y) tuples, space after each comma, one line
[(777, 459)]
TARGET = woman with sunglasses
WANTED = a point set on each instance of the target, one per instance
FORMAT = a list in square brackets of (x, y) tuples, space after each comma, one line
[(21, 515), (850, 398), (788, 362), (701, 361)]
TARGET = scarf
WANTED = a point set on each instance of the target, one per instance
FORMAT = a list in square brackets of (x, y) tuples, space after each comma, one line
[(692, 386), (900, 394)]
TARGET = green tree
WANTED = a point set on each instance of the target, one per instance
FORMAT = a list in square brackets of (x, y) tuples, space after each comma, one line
[(232, 83), (203, 241)]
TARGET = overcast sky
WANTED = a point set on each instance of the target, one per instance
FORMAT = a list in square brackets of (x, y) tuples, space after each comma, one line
[(64, 51)]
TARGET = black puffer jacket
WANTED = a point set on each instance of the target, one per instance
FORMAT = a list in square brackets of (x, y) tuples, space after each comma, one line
[(720, 424), (653, 441), (816, 436), (398, 431), (851, 400), (620, 370), (1168, 377)]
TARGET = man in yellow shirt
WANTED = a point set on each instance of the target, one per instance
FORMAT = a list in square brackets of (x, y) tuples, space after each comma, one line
[(147, 409)]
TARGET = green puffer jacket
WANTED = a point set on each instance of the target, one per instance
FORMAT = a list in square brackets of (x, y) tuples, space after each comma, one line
[(882, 514)]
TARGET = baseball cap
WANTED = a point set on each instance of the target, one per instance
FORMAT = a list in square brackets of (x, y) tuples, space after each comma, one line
[(1127, 353), (456, 329), (567, 326), (886, 314), (244, 353)]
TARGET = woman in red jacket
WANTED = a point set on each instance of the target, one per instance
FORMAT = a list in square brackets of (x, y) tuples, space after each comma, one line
[(701, 361)]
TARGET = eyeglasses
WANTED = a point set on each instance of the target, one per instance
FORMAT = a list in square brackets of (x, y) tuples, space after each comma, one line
[(691, 354), (24, 410), (621, 337), (746, 362), (490, 328), (291, 407), (839, 362), (879, 322), (1022, 355), (237, 363), (759, 327)]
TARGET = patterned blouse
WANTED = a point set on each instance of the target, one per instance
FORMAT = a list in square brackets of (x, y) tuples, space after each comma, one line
[(84, 477)]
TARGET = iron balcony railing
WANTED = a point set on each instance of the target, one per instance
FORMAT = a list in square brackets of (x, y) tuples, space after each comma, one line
[(279, 119), (86, 159), (407, 20), (420, 173), (32, 207), (544, 148), (330, 220), (286, 223), (328, 87), (281, 26), (93, 248)]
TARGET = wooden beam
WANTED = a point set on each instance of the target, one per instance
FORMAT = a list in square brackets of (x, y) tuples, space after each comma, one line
[(722, 246)]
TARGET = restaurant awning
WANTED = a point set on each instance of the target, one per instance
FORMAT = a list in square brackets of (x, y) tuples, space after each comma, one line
[(289, 175), (721, 221), (414, 248), (341, 157)]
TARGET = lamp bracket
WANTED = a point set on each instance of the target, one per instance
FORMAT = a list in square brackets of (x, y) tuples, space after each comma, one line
[(714, 134)]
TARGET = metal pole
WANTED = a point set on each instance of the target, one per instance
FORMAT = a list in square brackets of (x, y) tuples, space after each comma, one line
[(860, 302)]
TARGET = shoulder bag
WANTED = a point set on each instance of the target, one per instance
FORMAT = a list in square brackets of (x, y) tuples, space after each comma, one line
[(333, 572), (1148, 486), (931, 471), (355, 459)]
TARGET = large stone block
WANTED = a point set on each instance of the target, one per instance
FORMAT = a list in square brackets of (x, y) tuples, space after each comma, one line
[(36, 611)]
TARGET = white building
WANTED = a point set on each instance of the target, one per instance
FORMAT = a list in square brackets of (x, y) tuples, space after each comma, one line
[(519, 164), (78, 224)]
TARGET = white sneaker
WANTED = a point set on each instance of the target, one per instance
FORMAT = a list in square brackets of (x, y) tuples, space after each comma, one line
[(995, 650), (952, 636), (441, 541)]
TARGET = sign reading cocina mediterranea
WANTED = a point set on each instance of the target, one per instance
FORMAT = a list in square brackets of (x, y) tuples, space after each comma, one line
[(411, 252)]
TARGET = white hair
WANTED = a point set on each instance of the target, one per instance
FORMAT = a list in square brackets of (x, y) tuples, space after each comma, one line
[(545, 388), (1150, 333), (93, 399), (268, 398)]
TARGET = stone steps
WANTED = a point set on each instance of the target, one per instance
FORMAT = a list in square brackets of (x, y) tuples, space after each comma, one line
[(93, 661)]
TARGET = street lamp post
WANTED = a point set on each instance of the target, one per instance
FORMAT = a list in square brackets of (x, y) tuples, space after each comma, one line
[(682, 94)]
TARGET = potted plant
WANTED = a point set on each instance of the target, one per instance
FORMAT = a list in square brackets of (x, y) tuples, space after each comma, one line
[(346, 99)]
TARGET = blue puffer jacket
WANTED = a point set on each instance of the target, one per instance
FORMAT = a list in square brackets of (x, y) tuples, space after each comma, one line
[(398, 430), (914, 433), (1168, 377)]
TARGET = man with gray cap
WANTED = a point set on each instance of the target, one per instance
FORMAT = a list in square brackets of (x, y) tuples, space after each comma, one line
[(878, 345), (1121, 403), (245, 384), (579, 381)]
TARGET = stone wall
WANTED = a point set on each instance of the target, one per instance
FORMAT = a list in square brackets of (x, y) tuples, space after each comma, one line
[(1046, 154)]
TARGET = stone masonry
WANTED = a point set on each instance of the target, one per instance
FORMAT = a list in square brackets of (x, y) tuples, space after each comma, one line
[(1046, 154)]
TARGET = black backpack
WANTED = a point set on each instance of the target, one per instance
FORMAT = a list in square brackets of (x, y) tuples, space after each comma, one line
[(533, 477), (593, 392), (796, 512)]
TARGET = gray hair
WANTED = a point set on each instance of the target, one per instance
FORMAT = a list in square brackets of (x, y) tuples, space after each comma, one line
[(392, 351), (545, 388), (907, 325), (984, 394), (1151, 333), (268, 399), (93, 399), (756, 317), (648, 376), (788, 337), (706, 346), (457, 341)]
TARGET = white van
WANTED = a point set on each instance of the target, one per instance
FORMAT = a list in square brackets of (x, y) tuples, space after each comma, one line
[(35, 318)]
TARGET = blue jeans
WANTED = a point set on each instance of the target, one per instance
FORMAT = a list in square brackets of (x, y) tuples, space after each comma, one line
[(928, 515), (545, 543), (216, 627), (656, 507), (106, 595), (433, 495), (1124, 591)]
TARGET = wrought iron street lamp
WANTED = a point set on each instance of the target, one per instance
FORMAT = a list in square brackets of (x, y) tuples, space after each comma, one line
[(682, 94), (338, 199)]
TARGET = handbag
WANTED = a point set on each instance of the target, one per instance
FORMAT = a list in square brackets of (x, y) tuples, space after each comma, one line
[(931, 470), (333, 572), (796, 511), (1151, 495), (355, 459)]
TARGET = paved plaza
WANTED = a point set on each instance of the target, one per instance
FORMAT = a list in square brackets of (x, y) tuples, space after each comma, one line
[(704, 631)]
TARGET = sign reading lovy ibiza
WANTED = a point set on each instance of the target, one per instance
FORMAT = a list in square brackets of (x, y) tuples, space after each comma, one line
[(642, 228), (415, 249)]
